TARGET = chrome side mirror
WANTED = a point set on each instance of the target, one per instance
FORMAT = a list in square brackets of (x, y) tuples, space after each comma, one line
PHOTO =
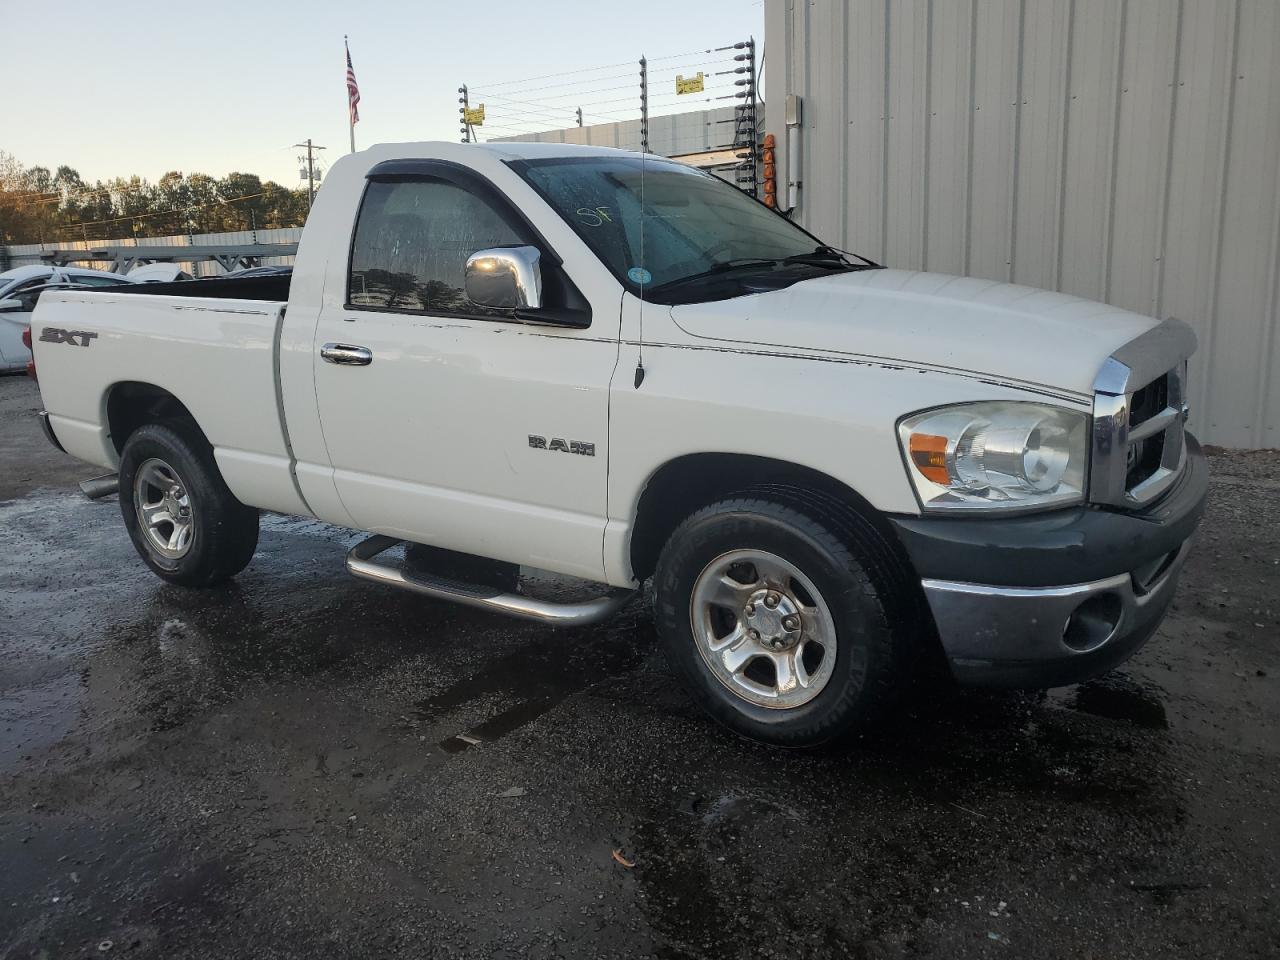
[(505, 277)]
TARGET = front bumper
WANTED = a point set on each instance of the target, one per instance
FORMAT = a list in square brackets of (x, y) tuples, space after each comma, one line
[(1047, 600)]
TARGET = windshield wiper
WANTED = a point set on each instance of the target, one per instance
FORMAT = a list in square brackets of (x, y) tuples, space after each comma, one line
[(827, 250), (724, 266), (828, 258), (822, 258)]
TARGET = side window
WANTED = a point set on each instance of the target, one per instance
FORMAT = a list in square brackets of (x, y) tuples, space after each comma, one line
[(30, 291), (412, 242), (89, 281)]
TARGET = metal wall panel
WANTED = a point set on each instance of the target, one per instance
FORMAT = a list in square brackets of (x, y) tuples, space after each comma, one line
[(1123, 150), (947, 163)]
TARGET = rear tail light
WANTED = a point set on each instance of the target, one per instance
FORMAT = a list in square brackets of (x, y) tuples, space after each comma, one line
[(31, 364)]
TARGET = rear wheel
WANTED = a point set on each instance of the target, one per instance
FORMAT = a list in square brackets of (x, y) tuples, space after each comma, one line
[(783, 625), (184, 522)]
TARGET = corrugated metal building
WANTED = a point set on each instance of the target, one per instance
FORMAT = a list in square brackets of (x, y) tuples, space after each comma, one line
[(1122, 150)]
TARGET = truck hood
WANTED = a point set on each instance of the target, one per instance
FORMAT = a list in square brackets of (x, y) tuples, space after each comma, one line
[(1016, 335)]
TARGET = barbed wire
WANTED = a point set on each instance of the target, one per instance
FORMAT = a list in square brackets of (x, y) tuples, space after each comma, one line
[(609, 66), (563, 104)]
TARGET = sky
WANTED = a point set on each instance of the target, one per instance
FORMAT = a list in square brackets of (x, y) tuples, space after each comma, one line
[(144, 88)]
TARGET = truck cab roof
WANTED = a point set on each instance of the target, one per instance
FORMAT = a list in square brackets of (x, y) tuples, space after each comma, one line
[(506, 150)]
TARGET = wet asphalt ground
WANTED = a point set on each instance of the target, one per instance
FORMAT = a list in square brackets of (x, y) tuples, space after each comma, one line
[(275, 769)]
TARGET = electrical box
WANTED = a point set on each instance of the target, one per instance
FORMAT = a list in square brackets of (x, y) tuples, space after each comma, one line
[(794, 111)]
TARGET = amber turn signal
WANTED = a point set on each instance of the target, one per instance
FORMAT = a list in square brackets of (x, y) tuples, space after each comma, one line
[(929, 455)]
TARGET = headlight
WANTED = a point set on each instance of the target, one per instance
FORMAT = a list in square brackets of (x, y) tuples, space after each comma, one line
[(997, 455)]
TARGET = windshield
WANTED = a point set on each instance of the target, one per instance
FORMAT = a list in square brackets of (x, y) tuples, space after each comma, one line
[(682, 234)]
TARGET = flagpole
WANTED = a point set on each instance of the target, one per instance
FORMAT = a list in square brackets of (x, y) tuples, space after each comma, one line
[(351, 124)]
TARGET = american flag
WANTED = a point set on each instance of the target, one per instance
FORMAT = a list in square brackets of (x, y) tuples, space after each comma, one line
[(353, 89)]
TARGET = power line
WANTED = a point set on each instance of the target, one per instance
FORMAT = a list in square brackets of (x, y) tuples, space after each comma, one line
[(540, 112), (520, 131), (52, 196), (547, 110), (561, 86), (49, 196), (158, 213), (679, 56), (487, 92), (727, 76), (607, 66), (567, 73)]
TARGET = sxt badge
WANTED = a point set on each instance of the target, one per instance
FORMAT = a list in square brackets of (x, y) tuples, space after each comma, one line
[(77, 338)]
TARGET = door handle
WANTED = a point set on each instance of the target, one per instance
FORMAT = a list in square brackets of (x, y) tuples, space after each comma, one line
[(346, 354)]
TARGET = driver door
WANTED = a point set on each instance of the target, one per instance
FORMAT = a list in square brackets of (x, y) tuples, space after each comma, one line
[(432, 432)]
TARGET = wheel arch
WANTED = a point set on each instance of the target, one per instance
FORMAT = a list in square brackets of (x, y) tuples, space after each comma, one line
[(129, 404), (686, 483)]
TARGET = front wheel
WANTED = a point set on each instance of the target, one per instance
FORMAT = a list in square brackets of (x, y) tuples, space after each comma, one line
[(183, 520), (782, 624)]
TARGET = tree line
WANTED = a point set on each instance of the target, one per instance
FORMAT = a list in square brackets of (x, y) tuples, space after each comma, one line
[(42, 206)]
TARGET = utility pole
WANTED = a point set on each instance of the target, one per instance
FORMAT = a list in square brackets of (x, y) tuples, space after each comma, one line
[(311, 169)]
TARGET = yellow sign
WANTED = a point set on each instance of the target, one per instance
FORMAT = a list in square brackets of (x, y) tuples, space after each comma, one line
[(692, 85), (474, 117)]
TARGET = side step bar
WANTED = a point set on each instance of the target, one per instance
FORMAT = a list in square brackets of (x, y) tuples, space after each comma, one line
[(361, 563)]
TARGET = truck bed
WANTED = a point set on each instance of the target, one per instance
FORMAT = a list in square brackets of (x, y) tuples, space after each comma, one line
[(271, 287), (215, 354)]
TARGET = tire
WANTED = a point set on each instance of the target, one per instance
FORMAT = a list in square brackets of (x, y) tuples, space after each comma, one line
[(836, 577), (171, 467)]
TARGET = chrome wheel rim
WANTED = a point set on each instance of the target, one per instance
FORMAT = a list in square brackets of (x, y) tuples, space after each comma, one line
[(164, 510), (763, 629)]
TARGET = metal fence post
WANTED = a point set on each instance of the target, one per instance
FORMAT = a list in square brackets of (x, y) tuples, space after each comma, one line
[(644, 105), (462, 110)]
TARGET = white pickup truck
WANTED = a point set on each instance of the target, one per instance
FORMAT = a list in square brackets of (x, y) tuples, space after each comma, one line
[(616, 367)]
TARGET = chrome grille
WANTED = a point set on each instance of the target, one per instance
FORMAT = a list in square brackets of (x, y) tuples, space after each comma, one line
[(1139, 412), (1143, 457)]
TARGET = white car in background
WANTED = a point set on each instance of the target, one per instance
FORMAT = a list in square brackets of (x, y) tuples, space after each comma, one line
[(158, 273), (18, 290)]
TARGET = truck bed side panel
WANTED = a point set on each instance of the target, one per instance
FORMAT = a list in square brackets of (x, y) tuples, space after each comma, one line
[(216, 356)]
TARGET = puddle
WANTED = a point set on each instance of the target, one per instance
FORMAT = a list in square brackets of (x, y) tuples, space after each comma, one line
[(36, 717), (537, 675), (731, 808), (499, 725), (106, 880), (1117, 697)]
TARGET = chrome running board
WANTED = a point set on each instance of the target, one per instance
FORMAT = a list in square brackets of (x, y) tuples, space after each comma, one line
[(361, 563)]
